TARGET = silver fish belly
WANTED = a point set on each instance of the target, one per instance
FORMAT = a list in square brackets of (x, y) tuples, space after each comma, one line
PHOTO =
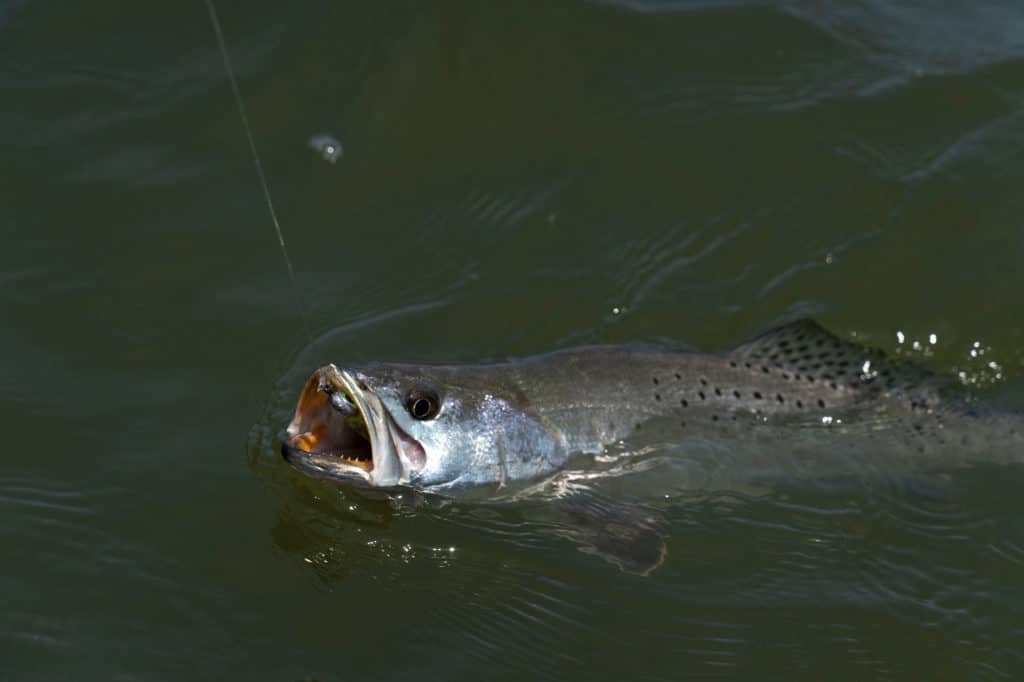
[(445, 427)]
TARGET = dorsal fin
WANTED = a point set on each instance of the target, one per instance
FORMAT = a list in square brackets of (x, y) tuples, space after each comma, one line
[(808, 351)]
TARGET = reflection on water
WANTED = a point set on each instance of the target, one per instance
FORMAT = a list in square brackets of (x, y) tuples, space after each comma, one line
[(899, 553)]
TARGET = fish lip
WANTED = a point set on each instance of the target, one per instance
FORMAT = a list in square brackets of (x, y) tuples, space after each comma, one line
[(387, 468)]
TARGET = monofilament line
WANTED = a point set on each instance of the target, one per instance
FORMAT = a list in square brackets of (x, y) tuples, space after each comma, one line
[(240, 105)]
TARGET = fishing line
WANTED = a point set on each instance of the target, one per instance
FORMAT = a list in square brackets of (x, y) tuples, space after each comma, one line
[(240, 105)]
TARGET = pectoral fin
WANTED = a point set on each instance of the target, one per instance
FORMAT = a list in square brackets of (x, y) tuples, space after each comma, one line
[(629, 536)]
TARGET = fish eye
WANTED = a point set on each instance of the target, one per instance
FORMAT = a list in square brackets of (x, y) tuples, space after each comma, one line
[(422, 405)]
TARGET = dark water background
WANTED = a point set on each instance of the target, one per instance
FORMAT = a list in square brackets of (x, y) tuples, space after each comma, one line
[(513, 174)]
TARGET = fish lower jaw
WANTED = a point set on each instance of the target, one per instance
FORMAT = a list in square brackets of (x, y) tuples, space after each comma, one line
[(310, 444)]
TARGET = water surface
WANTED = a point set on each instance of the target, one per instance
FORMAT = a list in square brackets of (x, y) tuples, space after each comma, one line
[(516, 177)]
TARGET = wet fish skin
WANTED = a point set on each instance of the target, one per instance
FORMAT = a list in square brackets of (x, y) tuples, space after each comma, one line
[(796, 387)]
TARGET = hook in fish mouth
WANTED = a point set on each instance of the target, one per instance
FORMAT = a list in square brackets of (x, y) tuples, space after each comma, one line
[(332, 433)]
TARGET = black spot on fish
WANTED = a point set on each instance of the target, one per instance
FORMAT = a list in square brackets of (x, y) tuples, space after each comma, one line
[(657, 396), (780, 399), (684, 403), (678, 376), (718, 391), (703, 382), (800, 404), (701, 394), (732, 364), (655, 380), (714, 417), (736, 394), (821, 404), (757, 395)]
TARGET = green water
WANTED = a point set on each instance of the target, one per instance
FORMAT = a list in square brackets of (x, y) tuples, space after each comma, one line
[(516, 177)]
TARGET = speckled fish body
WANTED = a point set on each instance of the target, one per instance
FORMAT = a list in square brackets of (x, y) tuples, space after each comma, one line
[(443, 427)]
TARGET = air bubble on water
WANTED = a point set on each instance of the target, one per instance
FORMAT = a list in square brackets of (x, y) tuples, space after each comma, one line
[(328, 146), (900, 338), (933, 339), (829, 259), (984, 373)]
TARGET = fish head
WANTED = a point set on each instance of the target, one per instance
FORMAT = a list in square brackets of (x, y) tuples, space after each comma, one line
[(389, 425)]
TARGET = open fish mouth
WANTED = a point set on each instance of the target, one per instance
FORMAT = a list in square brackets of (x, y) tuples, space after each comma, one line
[(332, 434)]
